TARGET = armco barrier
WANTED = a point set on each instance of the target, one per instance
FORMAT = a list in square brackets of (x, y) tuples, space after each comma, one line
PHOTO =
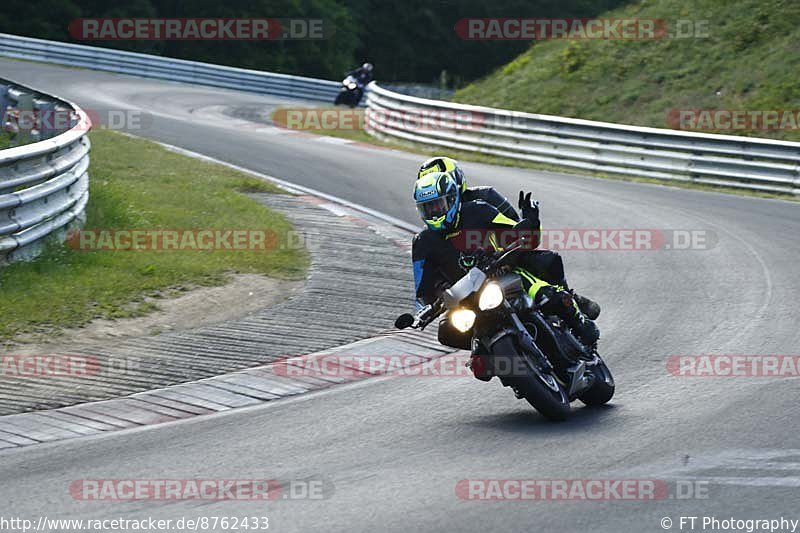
[(44, 184), (166, 68), (741, 162)]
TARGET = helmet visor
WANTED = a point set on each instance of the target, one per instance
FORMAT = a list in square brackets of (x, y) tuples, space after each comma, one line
[(436, 208)]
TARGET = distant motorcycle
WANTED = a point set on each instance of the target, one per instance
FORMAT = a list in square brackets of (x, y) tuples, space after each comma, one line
[(511, 338), (350, 93)]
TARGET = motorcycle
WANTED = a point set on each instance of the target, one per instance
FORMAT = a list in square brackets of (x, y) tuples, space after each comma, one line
[(510, 337), (350, 93)]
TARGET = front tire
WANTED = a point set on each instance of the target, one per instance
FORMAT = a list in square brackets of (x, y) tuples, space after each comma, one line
[(602, 390), (544, 393)]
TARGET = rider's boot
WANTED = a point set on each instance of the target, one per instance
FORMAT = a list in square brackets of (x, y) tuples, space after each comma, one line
[(588, 307), (554, 300), (583, 328)]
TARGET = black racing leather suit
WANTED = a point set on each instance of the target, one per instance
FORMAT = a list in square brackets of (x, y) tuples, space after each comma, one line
[(491, 197), (362, 76), (440, 259), (544, 264), (437, 255)]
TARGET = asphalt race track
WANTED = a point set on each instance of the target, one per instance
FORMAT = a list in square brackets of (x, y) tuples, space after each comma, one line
[(390, 451)]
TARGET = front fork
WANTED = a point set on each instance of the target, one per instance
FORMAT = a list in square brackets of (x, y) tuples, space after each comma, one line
[(500, 323), (578, 379)]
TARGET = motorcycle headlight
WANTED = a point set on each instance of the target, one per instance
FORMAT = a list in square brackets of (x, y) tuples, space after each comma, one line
[(351, 86), (491, 297), (462, 319)]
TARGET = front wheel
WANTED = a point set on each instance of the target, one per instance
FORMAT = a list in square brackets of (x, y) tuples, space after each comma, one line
[(602, 390), (540, 390)]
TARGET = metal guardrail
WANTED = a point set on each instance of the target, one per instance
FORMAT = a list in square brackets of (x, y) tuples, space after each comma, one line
[(165, 68), (44, 185), (419, 90), (28, 117), (722, 160)]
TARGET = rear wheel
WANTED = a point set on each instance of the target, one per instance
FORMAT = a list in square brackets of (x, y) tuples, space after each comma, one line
[(602, 390), (541, 390)]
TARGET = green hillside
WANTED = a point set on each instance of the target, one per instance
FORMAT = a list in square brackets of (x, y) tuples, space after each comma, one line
[(749, 60)]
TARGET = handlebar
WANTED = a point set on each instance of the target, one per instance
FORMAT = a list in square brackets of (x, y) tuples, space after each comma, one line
[(422, 318), (492, 261), (489, 263)]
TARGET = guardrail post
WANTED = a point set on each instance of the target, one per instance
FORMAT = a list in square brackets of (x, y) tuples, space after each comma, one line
[(45, 119), (24, 105), (4, 102), (796, 182)]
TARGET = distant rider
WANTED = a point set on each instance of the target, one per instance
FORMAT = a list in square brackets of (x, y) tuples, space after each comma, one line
[(362, 74)]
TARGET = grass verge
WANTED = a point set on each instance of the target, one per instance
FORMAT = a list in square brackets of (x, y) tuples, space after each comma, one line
[(735, 55), (137, 184)]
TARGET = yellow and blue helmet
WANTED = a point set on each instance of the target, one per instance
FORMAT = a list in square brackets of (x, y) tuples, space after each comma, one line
[(438, 199), (444, 164)]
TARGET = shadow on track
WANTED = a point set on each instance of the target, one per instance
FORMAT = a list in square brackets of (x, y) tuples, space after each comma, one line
[(526, 420)]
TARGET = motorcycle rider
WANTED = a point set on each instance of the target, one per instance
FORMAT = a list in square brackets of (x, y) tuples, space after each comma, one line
[(543, 264), (362, 74), (487, 194), (438, 262)]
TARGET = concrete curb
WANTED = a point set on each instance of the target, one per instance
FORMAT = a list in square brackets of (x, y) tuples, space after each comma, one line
[(245, 388), (241, 388), (357, 282)]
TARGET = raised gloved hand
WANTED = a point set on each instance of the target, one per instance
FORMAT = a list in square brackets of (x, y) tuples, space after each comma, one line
[(528, 207)]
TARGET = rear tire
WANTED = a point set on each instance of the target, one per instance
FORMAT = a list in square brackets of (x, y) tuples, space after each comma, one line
[(552, 404), (603, 388)]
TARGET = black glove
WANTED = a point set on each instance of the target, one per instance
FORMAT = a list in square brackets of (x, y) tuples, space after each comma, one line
[(528, 207)]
